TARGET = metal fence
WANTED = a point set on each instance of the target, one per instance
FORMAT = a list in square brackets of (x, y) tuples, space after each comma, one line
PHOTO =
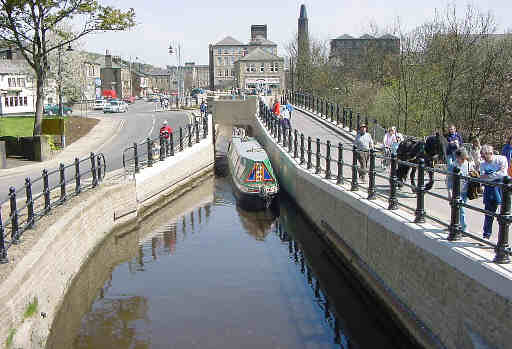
[(146, 153), (51, 188), (327, 160)]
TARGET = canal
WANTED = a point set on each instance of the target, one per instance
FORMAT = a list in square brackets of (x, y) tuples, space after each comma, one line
[(202, 273)]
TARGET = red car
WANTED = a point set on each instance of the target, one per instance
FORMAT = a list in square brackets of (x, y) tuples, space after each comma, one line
[(129, 99)]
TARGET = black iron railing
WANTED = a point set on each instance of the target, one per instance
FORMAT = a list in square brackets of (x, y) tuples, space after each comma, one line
[(321, 158), (146, 153), (43, 193)]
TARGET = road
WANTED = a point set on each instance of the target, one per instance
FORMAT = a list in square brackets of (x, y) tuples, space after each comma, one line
[(140, 121)]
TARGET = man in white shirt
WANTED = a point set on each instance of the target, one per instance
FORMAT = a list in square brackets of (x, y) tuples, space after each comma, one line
[(364, 143)]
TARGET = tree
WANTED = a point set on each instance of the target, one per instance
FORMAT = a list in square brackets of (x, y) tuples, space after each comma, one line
[(28, 24)]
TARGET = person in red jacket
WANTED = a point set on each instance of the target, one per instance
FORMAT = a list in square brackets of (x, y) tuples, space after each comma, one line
[(277, 108), (165, 130)]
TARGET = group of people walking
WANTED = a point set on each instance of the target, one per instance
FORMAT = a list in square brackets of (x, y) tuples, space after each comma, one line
[(479, 162), (284, 113)]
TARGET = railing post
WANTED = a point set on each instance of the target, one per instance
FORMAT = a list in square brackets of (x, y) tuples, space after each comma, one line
[(332, 111), (290, 139), (181, 139), (46, 191), (317, 169), (344, 119), (30, 203), (171, 144), (302, 160), (295, 144), (504, 220), (309, 153), (62, 182), (100, 175), (337, 114), (359, 121), (339, 179), (455, 229), (15, 229), (420, 193), (197, 131), (189, 135), (355, 183), (205, 127), (3, 250), (350, 120), (278, 131), (135, 157), (162, 147), (78, 189), (328, 161), (150, 150), (372, 194), (393, 181)]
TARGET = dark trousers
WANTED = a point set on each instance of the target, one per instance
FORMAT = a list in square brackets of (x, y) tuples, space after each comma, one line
[(489, 206), (362, 158)]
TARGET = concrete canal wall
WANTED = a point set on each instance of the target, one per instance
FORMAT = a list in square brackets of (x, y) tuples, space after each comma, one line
[(448, 295), (71, 235)]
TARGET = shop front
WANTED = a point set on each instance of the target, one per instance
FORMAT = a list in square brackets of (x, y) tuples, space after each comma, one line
[(263, 85)]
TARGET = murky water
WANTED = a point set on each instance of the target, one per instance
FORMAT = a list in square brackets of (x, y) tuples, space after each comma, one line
[(202, 273)]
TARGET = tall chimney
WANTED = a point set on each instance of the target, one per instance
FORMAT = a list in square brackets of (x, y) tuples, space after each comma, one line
[(108, 59)]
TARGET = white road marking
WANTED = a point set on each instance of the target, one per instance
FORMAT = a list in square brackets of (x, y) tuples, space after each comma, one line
[(152, 126)]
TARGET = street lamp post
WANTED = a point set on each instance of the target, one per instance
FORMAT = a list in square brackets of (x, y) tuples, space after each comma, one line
[(69, 49), (177, 51)]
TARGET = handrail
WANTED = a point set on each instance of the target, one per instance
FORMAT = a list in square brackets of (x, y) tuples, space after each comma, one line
[(24, 217), (321, 159)]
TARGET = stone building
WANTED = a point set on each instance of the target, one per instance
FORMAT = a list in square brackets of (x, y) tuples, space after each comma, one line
[(224, 54), (347, 50), (116, 76), (260, 70)]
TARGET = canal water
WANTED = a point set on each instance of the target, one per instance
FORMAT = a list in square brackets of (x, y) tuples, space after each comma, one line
[(202, 273)]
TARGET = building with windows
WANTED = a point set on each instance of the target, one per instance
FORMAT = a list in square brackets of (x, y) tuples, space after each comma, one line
[(16, 88), (224, 54), (347, 50), (261, 71), (116, 76)]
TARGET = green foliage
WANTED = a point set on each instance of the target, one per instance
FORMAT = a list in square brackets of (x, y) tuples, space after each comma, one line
[(31, 308), (10, 337)]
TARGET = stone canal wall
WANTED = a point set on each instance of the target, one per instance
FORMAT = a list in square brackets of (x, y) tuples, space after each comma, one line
[(32, 293), (446, 294)]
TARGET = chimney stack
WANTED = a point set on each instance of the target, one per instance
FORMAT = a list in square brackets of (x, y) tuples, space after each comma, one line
[(108, 59)]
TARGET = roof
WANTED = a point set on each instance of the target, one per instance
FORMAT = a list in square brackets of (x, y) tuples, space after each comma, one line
[(261, 41), (344, 37), (228, 41), (249, 149), (8, 66), (366, 36), (388, 36), (260, 55)]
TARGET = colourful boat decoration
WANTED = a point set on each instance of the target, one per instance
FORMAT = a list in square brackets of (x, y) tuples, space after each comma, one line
[(254, 182)]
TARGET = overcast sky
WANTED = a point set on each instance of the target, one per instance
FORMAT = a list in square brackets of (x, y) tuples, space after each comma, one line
[(197, 23)]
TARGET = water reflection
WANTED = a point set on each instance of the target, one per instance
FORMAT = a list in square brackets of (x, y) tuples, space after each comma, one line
[(203, 273)]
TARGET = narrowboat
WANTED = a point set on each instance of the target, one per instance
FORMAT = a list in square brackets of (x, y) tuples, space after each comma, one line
[(254, 182)]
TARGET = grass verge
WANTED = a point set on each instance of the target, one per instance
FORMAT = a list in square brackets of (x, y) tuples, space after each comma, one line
[(10, 337), (31, 308)]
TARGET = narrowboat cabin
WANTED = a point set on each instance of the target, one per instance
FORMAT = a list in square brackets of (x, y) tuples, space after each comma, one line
[(254, 183)]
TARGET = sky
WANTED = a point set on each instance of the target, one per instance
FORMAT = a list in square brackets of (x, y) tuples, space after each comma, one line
[(196, 24)]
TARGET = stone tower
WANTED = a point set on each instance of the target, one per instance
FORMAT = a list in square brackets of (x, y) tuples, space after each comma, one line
[(302, 48)]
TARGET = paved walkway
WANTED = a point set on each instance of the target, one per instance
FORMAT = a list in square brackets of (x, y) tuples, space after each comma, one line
[(317, 127)]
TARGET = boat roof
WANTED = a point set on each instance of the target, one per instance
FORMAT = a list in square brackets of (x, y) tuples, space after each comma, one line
[(249, 148)]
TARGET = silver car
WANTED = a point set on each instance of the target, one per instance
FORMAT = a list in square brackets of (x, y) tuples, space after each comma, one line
[(115, 106)]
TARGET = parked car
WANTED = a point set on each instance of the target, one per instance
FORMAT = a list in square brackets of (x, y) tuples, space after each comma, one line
[(99, 104), (129, 99), (115, 106), (53, 109)]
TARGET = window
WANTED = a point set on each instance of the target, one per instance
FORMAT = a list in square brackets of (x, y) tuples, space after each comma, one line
[(219, 73), (219, 51), (15, 101), (227, 73), (6, 101), (232, 59), (262, 67), (25, 101), (252, 67), (21, 82), (219, 60), (247, 68), (274, 67), (226, 60), (239, 50), (233, 72), (226, 51)]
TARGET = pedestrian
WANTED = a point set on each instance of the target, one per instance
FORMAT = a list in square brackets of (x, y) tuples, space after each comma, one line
[(387, 141), (492, 169), (290, 110), (165, 130), (277, 107), (285, 114), (454, 142), (363, 143), (475, 154), (203, 108), (461, 162)]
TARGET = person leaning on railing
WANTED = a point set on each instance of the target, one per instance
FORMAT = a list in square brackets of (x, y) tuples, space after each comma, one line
[(363, 143), (492, 168), (461, 162)]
